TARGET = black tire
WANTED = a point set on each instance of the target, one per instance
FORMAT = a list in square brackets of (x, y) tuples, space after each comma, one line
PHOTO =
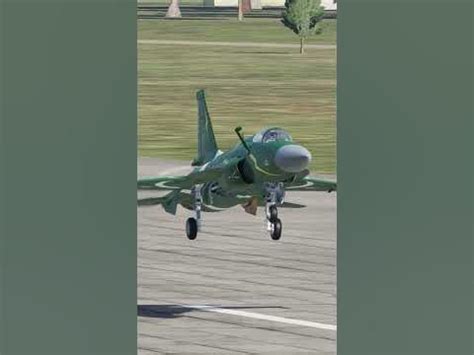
[(276, 229), (191, 228), (273, 213)]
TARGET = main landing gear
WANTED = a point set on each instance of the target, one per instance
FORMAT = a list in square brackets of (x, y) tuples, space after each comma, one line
[(193, 225), (274, 195)]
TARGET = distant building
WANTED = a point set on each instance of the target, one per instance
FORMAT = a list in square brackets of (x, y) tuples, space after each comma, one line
[(329, 4), (258, 4)]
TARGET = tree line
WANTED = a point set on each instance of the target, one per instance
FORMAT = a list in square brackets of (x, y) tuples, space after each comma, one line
[(303, 17)]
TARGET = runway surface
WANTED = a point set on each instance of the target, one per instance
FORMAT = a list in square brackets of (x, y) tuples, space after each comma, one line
[(234, 290)]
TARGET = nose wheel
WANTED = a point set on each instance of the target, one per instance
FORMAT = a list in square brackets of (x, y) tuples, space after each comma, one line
[(273, 222), (272, 212), (275, 228)]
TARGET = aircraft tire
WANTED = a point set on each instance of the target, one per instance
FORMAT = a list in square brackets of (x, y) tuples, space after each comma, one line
[(273, 213), (276, 229), (191, 228)]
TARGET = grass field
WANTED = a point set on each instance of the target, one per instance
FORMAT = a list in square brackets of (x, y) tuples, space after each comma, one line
[(228, 29), (252, 87)]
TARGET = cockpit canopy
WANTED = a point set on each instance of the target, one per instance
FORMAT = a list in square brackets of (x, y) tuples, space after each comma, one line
[(272, 135)]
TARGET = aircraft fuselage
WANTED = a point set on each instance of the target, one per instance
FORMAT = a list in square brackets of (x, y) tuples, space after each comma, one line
[(270, 163)]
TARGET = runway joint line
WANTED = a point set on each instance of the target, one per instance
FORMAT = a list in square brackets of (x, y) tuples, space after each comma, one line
[(234, 312)]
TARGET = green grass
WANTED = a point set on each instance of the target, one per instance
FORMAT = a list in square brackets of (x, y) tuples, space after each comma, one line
[(251, 87), (250, 30)]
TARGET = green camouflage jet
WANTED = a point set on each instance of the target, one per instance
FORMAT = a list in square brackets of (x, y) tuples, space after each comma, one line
[(256, 172)]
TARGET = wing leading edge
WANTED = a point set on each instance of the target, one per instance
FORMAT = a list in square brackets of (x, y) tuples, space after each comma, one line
[(185, 182)]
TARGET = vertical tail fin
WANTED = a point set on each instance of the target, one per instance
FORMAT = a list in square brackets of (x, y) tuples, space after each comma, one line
[(207, 146)]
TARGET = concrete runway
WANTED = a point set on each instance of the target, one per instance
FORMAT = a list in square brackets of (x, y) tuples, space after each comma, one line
[(233, 289)]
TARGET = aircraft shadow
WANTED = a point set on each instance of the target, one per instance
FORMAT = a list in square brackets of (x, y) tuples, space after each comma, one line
[(175, 311)]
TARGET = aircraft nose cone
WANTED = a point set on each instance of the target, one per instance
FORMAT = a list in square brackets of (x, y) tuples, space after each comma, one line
[(292, 158)]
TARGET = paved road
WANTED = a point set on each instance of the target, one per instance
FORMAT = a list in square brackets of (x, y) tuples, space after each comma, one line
[(234, 44), (233, 290), (189, 12)]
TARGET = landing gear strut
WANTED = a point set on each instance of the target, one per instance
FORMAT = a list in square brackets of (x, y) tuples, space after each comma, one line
[(193, 225), (275, 194)]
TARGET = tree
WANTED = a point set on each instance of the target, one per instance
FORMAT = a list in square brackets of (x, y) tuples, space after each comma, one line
[(173, 9), (303, 17)]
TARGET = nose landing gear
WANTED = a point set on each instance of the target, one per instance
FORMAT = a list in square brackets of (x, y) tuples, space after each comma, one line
[(274, 195), (272, 212), (273, 222), (275, 228)]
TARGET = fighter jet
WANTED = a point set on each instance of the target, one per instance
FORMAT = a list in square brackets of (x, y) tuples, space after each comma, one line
[(255, 172)]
